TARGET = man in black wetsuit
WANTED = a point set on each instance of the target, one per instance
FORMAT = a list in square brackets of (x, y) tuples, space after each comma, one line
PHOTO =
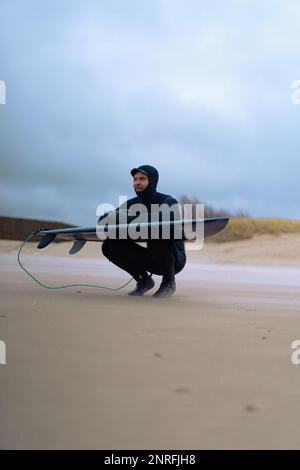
[(164, 257)]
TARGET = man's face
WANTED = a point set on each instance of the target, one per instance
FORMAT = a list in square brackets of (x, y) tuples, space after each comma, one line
[(140, 181)]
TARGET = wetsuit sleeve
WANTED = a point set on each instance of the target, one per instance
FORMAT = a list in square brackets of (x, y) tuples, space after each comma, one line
[(123, 207), (175, 214)]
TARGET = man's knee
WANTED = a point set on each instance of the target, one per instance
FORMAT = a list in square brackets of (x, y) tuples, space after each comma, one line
[(107, 247), (110, 246)]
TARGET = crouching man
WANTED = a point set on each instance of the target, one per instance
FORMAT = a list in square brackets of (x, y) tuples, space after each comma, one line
[(164, 257)]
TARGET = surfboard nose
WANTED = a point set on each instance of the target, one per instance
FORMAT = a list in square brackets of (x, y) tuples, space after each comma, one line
[(215, 225)]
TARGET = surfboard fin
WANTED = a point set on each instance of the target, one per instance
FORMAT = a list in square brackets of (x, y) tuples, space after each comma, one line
[(46, 240), (77, 245)]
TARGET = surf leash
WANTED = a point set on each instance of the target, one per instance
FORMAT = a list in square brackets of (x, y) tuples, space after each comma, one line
[(67, 285)]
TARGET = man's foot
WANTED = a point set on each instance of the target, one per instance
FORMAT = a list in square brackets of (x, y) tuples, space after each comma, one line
[(166, 290), (142, 286)]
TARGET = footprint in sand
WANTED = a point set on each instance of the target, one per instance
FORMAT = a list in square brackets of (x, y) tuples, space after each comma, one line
[(182, 390), (157, 354), (250, 408)]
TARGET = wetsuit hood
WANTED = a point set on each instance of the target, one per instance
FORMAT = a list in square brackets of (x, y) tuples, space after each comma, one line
[(148, 195)]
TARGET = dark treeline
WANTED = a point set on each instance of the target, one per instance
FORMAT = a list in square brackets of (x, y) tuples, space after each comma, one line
[(209, 211), (16, 228)]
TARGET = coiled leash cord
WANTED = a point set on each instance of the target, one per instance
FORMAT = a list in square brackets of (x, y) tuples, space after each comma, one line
[(60, 287)]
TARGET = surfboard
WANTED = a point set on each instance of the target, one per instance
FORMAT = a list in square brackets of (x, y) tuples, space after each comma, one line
[(81, 235)]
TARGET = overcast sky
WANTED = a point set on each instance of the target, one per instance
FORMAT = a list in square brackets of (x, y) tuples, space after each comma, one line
[(200, 89)]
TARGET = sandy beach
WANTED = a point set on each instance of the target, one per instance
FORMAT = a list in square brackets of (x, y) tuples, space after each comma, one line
[(209, 368)]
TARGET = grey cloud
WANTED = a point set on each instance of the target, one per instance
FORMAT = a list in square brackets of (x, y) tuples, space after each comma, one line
[(200, 90)]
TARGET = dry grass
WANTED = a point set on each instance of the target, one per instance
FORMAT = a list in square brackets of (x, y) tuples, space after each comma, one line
[(244, 228)]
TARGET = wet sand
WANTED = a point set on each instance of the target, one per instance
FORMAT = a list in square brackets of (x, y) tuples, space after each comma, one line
[(207, 368)]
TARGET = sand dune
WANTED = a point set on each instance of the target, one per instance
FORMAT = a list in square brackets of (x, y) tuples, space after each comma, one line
[(208, 368)]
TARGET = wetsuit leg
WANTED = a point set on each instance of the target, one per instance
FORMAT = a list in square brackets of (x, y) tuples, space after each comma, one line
[(160, 259), (127, 255), (165, 260)]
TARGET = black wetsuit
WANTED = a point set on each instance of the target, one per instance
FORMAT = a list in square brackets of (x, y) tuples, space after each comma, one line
[(162, 257)]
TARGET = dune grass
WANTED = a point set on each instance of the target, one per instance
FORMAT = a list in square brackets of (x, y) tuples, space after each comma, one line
[(244, 228)]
